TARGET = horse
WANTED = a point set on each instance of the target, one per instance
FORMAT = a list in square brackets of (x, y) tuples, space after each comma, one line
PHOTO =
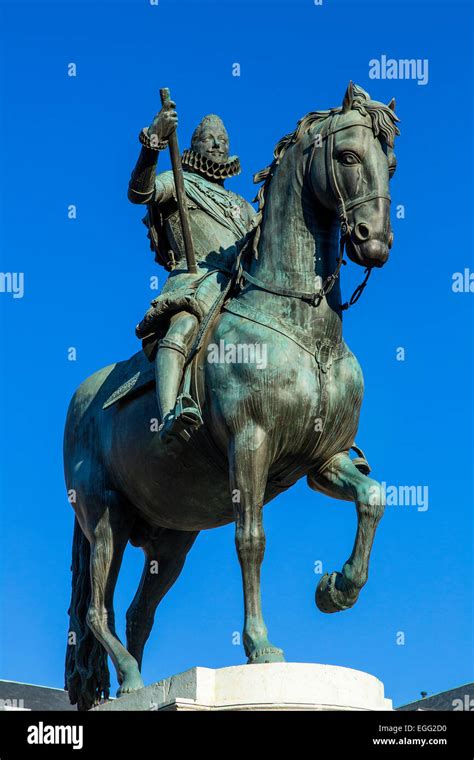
[(266, 424)]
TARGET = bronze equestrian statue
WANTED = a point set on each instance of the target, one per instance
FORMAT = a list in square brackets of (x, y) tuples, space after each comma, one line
[(326, 190)]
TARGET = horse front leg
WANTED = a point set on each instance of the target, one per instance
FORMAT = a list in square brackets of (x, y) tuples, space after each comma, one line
[(342, 480), (248, 460)]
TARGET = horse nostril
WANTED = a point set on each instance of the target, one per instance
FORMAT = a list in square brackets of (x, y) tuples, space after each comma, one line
[(362, 231), (390, 240)]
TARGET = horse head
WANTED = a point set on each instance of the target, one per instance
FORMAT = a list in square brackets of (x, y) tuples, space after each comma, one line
[(352, 161)]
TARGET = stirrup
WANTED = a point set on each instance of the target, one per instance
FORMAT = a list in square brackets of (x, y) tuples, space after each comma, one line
[(182, 421)]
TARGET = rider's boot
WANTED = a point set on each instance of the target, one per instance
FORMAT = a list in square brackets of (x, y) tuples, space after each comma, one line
[(179, 416)]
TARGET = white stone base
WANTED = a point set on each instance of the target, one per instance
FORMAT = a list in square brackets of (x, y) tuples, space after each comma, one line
[(273, 686)]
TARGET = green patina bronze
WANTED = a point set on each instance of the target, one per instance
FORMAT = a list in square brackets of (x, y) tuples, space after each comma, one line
[(274, 392)]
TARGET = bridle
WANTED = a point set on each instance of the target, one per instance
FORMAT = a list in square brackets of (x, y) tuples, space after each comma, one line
[(343, 207)]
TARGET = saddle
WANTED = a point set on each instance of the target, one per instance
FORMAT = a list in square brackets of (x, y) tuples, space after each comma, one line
[(140, 377), (139, 374)]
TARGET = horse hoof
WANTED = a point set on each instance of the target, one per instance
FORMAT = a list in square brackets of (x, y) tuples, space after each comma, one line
[(334, 593), (129, 687), (123, 692), (267, 654)]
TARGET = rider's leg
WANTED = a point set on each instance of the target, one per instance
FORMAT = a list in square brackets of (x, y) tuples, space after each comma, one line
[(169, 363)]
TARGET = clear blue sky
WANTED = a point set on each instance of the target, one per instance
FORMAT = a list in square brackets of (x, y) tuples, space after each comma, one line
[(74, 141)]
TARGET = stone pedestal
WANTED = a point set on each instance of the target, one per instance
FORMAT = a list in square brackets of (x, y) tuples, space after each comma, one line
[(276, 686)]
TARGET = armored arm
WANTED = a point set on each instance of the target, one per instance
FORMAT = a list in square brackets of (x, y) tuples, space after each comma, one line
[(143, 187)]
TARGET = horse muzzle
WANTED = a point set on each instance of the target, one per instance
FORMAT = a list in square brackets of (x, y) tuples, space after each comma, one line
[(370, 252)]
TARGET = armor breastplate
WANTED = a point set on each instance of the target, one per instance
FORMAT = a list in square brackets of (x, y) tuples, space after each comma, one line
[(214, 244)]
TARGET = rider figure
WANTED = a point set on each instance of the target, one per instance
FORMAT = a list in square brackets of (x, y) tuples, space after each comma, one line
[(219, 218)]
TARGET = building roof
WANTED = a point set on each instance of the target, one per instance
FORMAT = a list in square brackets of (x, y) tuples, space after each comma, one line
[(460, 698), (26, 696)]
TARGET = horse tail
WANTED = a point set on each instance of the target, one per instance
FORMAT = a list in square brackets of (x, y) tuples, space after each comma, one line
[(87, 678)]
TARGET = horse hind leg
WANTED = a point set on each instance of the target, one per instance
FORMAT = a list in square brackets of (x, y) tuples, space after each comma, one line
[(342, 480), (165, 554), (108, 539)]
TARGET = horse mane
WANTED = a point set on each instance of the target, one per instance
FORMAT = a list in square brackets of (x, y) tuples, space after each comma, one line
[(384, 125)]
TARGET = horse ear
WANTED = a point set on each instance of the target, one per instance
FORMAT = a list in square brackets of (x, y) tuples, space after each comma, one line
[(348, 98), (391, 105)]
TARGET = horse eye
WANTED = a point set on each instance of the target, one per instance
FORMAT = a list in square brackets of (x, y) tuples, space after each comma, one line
[(349, 159)]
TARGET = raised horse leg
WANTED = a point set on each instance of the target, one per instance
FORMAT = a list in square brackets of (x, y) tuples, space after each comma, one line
[(165, 554), (108, 539), (342, 480), (248, 461)]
